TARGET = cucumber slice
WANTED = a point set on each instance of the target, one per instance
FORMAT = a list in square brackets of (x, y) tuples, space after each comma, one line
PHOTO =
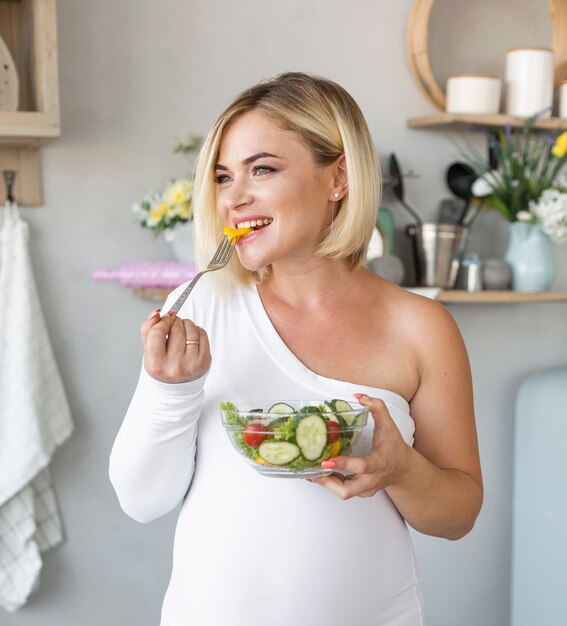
[(333, 417), (278, 452), (344, 407), (329, 412), (281, 407), (311, 436)]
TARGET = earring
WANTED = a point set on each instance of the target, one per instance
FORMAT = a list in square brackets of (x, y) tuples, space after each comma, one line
[(336, 194)]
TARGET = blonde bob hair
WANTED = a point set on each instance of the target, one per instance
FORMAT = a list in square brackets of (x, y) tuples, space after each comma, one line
[(330, 123)]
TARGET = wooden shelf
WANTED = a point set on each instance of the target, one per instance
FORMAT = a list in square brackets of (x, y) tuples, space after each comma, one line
[(155, 295), (499, 297), (29, 30), (446, 297), (461, 121), (28, 129)]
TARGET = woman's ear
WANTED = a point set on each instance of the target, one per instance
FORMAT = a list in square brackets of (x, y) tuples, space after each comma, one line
[(339, 179)]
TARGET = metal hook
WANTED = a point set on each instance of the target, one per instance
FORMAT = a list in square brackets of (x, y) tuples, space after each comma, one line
[(9, 177)]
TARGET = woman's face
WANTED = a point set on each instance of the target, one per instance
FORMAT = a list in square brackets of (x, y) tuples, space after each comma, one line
[(268, 179)]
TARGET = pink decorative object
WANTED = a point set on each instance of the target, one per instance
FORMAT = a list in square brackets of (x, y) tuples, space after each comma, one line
[(149, 274)]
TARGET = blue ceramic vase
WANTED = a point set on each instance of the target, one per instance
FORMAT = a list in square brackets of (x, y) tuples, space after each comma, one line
[(530, 258)]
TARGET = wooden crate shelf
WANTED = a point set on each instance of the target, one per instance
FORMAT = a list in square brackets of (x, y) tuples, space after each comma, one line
[(29, 30), (28, 128)]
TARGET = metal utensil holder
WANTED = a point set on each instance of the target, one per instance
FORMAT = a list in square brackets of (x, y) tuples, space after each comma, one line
[(438, 251)]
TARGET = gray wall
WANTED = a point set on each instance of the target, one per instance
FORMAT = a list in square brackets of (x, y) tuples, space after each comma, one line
[(134, 76)]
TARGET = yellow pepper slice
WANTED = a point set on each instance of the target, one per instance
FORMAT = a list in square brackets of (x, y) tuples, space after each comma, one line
[(260, 460), (335, 449), (234, 234)]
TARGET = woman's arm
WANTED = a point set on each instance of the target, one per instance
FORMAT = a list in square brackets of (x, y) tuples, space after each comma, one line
[(444, 464), (437, 485), (153, 458)]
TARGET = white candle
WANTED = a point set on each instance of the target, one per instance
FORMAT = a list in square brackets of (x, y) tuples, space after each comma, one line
[(563, 99), (473, 93), (529, 81)]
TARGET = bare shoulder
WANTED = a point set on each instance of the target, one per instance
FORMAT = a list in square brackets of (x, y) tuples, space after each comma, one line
[(416, 315), (426, 318), (424, 331), (433, 332)]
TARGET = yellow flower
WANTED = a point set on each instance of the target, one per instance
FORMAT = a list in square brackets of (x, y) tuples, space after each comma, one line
[(158, 211), (183, 209), (178, 191), (560, 148)]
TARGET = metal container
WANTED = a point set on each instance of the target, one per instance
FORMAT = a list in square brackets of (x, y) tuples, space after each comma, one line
[(438, 250), (496, 274), (470, 275)]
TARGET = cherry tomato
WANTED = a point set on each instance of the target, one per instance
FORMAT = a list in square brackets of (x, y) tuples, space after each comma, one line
[(333, 432), (254, 435)]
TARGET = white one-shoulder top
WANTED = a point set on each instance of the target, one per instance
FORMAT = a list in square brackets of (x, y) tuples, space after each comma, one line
[(251, 550)]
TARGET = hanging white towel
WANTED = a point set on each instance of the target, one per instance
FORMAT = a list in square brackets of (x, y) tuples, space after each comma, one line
[(34, 420)]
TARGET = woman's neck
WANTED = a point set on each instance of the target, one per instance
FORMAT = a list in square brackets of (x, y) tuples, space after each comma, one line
[(322, 282)]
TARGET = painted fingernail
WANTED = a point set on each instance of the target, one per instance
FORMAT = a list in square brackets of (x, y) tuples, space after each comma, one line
[(328, 464), (309, 480), (357, 395), (172, 313), (154, 313)]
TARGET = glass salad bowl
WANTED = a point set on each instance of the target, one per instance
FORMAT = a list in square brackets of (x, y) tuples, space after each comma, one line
[(292, 438)]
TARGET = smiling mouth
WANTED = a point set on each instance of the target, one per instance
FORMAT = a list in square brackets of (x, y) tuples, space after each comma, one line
[(254, 224)]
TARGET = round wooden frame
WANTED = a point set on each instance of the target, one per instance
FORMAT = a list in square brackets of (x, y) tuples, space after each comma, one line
[(418, 54)]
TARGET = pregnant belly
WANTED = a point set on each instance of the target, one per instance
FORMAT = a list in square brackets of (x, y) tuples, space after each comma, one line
[(254, 550)]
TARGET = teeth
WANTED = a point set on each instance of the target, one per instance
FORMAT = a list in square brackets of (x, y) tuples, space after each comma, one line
[(254, 223)]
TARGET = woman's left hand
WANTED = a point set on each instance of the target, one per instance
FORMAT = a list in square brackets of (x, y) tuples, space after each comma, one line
[(385, 464)]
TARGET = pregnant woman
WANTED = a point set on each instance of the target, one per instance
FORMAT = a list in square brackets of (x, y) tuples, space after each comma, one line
[(295, 315)]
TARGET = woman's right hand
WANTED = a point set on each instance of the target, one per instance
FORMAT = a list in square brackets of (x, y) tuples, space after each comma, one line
[(175, 350)]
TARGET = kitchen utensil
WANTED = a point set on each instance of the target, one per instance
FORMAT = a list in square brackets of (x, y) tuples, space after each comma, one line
[(385, 224), (398, 187), (451, 210), (460, 178), (220, 258), (470, 273), (438, 249), (470, 216)]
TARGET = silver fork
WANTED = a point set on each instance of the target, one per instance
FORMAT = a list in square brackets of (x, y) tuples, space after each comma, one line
[(219, 260)]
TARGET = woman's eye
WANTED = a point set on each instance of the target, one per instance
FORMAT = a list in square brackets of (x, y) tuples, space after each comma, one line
[(221, 178), (262, 170)]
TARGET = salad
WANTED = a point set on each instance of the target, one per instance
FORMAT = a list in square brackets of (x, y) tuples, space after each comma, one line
[(298, 438)]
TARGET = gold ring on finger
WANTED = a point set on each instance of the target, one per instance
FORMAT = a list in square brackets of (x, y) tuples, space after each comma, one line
[(192, 343)]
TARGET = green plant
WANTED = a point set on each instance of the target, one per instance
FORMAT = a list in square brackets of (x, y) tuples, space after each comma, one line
[(525, 162)]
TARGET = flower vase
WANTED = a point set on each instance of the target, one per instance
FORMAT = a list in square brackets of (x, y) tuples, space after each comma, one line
[(530, 258), (182, 242)]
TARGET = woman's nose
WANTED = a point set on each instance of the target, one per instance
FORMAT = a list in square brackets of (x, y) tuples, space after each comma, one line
[(238, 194)]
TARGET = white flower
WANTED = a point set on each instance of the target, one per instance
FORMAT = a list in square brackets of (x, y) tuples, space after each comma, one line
[(524, 216), (486, 184), (551, 212)]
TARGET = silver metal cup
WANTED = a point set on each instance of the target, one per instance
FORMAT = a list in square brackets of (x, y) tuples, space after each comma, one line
[(438, 250)]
